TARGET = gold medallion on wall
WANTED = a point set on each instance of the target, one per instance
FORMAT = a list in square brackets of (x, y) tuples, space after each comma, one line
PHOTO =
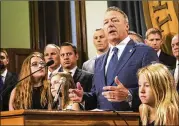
[(163, 15)]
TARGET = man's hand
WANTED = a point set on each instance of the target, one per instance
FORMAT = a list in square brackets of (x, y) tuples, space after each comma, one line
[(115, 93), (76, 95)]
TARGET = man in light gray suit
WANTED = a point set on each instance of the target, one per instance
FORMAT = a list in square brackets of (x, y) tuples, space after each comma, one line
[(175, 50), (101, 44)]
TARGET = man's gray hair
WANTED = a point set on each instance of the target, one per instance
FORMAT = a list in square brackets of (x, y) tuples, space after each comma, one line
[(114, 8)]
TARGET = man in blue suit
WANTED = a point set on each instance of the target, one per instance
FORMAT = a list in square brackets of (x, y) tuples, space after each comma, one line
[(115, 84)]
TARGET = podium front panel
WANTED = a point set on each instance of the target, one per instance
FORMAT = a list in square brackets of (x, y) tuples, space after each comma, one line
[(90, 118)]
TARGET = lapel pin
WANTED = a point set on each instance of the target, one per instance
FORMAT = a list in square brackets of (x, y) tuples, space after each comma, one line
[(130, 50)]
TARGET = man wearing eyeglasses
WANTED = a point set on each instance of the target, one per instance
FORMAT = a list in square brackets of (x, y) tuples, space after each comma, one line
[(68, 59), (6, 79)]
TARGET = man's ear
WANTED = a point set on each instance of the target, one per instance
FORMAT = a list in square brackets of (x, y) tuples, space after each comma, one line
[(127, 26), (7, 60), (162, 42), (145, 41), (77, 56)]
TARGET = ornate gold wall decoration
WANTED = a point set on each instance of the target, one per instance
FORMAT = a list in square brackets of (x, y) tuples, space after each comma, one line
[(163, 15)]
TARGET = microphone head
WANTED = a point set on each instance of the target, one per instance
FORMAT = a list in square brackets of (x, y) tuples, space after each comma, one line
[(49, 63), (63, 80)]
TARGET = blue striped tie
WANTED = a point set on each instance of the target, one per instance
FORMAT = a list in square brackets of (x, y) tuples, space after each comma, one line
[(112, 66)]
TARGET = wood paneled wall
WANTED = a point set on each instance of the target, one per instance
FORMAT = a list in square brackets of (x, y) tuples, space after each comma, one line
[(16, 58), (51, 23)]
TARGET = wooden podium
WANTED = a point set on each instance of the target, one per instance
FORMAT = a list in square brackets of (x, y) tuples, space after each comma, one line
[(90, 118)]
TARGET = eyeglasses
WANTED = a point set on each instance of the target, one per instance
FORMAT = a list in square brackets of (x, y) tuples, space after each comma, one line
[(37, 64)]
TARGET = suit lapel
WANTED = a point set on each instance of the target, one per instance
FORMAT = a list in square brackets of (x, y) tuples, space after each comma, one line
[(127, 53), (61, 69), (102, 68), (77, 75), (8, 79)]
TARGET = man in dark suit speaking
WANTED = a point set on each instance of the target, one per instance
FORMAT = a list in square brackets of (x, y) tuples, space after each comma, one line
[(68, 59), (115, 84), (7, 80)]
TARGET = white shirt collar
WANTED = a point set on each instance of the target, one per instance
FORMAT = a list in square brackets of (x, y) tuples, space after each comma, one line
[(55, 71), (177, 62), (158, 53), (97, 55), (4, 75), (72, 71), (120, 46)]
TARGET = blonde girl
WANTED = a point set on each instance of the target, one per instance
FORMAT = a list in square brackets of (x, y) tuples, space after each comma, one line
[(64, 81), (159, 97)]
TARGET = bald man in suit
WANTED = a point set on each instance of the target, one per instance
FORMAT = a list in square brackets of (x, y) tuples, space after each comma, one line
[(101, 44), (52, 52)]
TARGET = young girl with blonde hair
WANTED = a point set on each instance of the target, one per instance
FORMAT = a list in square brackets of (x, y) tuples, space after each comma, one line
[(34, 91), (64, 81), (159, 97)]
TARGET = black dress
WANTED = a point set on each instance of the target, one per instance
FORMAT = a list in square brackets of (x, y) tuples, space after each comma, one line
[(36, 96), (149, 124)]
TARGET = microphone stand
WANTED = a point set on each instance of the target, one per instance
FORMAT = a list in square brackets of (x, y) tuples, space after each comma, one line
[(59, 107), (58, 95), (121, 117), (21, 80)]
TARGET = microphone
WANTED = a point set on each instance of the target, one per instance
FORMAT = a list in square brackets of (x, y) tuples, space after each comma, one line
[(49, 63), (59, 94)]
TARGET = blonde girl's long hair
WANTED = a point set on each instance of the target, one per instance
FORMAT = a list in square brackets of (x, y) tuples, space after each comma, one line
[(24, 89), (68, 84), (165, 94), (144, 113)]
